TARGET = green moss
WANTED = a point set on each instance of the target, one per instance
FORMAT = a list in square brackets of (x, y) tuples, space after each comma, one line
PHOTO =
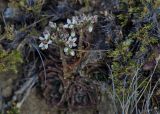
[(144, 37), (123, 65), (131, 9), (9, 32), (9, 61), (13, 110), (22, 4), (123, 18)]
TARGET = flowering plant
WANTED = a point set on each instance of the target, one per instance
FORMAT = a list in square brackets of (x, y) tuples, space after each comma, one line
[(68, 34)]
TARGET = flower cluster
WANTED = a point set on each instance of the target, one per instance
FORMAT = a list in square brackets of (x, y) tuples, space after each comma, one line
[(83, 20), (67, 33)]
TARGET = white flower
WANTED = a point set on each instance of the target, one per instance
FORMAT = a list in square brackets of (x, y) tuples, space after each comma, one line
[(73, 34), (69, 24), (74, 20), (45, 41), (69, 51), (42, 38), (72, 53), (90, 28), (71, 42), (44, 44), (69, 21), (52, 25), (46, 34), (66, 50)]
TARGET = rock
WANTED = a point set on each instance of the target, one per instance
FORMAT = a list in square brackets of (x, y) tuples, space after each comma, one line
[(13, 14), (1, 103), (6, 85), (7, 92), (3, 5), (35, 105)]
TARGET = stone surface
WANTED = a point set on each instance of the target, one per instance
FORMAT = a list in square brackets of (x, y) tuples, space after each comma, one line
[(6, 83), (35, 105), (7, 91), (1, 102)]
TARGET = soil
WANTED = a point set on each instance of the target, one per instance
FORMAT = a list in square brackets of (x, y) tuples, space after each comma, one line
[(36, 105)]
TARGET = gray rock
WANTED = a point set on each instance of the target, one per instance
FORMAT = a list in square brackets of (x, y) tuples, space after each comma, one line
[(1, 103), (6, 92)]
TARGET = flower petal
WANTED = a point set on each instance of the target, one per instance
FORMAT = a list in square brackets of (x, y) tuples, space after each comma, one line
[(46, 35), (74, 44), (46, 46), (74, 21), (73, 34), (41, 38), (52, 25), (69, 21), (70, 38), (72, 53), (74, 39), (50, 42), (66, 49), (41, 45), (65, 26), (90, 28), (71, 26)]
